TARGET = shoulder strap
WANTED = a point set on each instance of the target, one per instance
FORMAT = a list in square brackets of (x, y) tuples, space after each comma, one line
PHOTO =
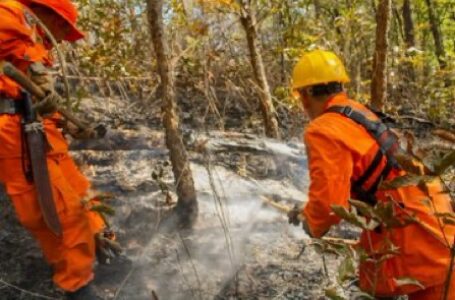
[(388, 143)]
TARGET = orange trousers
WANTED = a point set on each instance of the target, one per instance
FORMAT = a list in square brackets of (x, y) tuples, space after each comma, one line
[(71, 256), (435, 292)]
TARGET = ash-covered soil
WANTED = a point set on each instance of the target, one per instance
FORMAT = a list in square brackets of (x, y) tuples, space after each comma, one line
[(240, 248)]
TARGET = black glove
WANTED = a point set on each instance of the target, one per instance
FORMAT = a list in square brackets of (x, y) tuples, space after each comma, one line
[(106, 247), (48, 105), (293, 215), (42, 77), (80, 134)]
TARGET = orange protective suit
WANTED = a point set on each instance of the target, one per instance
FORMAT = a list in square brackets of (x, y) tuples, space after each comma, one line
[(340, 151), (72, 256)]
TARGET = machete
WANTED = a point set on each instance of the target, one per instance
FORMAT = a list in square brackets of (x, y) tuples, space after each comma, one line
[(36, 146)]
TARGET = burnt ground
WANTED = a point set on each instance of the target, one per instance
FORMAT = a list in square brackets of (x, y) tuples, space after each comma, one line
[(239, 247)]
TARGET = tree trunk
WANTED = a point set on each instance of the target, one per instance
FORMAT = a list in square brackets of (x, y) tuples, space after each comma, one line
[(187, 206), (317, 8), (408, 24), (248, 21), (379, 80), (437, 35), (409, 38)]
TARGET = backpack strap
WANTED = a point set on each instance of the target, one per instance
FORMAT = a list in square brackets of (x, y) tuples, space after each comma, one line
[(388, 144)]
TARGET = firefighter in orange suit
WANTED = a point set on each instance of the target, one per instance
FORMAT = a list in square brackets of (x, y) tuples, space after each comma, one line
[(349, 155), (24, 44)]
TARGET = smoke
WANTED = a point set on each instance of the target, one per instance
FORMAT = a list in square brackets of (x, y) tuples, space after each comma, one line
[(233, 222)]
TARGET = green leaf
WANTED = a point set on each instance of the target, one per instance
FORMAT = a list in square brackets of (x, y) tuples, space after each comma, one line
[(401, 281), (410, 164), (350, 216), (384, 213), (447, 218), (446, 162), (365, 209), (406, 180), (103, 209), (346, 270), (332, 294)]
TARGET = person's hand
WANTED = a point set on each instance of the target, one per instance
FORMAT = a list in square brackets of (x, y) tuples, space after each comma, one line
[(48, 105), (294, 215), (106, 247), (42, 77), (82, 134)]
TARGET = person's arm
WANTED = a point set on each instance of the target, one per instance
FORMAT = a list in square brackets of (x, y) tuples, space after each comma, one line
[(331, 167), (18, 43)]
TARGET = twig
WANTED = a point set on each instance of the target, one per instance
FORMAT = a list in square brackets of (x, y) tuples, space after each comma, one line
[(188, 283), (124, 281), (154, 295), (222, 213), (193, 266), (25, 291)]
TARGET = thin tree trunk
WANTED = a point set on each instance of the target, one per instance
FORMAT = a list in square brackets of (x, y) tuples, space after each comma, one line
[(281, 27), (437, 35), (398, 23), (248, 21), (317, 8), (409, 38), (408, 24), (379, 80), (187, 202)]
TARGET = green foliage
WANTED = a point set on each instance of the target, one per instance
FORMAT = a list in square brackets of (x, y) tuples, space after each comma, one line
[(346, 270), (406, 180), (117, 46), (441, 166), (332, 294)]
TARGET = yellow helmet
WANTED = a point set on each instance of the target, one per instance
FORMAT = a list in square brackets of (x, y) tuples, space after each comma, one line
[(318, 67)]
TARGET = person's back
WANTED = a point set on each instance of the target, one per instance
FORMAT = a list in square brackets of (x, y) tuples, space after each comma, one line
[(341, 151), (344, 157)]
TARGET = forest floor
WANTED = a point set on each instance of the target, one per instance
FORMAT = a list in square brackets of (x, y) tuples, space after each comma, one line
[(240, 248)]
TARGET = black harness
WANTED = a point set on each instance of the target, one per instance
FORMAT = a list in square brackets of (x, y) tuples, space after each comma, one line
[(388, 144), (10, 106)]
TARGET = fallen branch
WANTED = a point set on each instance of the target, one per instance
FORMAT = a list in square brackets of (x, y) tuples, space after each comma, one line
[(285, 209), (445, 135)]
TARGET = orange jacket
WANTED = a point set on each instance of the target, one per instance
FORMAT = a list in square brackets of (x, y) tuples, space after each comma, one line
[(339, 152), (71, 256), (21, 44)]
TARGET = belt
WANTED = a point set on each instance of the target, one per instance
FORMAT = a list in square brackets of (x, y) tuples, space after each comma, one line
[(10, 106)]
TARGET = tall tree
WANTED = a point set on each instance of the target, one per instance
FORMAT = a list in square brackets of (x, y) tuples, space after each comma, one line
[(409, 35), (248, 20), (379, 80), (437, 35), (187, 206), (409, 39)]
